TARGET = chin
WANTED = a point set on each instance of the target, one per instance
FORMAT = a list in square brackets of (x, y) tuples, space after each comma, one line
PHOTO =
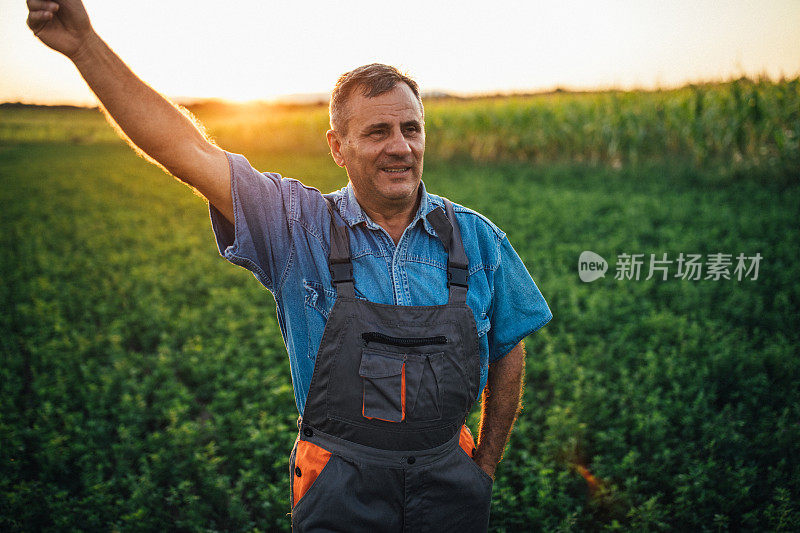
[(401, 191)]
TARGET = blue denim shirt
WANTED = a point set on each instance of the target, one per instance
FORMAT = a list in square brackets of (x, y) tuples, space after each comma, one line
[(281, 234)]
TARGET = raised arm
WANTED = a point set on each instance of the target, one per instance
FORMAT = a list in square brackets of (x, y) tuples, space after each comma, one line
[(151, 122)]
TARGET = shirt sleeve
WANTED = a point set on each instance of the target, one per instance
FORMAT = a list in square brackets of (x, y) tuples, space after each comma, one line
[(518, 307), (260, 239)]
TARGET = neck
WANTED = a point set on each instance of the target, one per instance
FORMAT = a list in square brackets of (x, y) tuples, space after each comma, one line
[(394, 217)]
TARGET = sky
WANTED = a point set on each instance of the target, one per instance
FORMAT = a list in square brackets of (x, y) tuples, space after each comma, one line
[(261, 50)]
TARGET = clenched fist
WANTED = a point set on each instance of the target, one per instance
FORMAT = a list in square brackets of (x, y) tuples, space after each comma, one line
[(64, 25)]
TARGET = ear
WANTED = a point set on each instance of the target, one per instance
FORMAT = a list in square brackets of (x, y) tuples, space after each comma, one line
[(335, 142)]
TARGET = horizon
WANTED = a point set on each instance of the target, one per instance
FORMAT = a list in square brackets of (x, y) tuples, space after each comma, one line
[(322, 99)]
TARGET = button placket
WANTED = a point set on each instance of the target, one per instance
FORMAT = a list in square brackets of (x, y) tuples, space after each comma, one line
[(399, 274), (397, 286), (401, 265)]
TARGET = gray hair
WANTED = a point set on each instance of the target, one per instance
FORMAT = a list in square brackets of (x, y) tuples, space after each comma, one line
[(373, 80)]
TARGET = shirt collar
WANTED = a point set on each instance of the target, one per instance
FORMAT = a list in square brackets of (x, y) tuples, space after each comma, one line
[(352, 213)]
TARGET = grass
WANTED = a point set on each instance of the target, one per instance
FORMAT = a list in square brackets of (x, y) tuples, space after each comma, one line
[(145, 384)]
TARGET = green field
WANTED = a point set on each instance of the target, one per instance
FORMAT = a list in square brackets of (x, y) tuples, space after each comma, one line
[(145, 385)]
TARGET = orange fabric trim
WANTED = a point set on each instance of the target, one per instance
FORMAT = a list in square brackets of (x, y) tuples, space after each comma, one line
[(402, 399), (311, 459), (466, 441), (403, 392)]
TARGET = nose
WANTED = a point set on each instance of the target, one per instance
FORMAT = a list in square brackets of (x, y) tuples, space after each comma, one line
[(397, 144)]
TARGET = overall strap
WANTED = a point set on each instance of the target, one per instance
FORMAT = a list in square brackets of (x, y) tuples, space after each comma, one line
[(339, 262), (449, 233)]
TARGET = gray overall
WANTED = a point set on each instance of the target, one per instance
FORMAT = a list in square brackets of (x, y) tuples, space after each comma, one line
[(382, 443)]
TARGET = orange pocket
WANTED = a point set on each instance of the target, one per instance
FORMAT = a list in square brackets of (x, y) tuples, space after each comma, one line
[(309, 460), (466, 441)]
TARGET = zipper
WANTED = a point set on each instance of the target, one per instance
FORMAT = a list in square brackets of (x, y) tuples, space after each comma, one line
[(374, 336)]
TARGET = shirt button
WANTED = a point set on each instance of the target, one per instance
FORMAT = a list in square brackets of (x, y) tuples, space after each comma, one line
[(308, 432), (297, 471), (411, 460)]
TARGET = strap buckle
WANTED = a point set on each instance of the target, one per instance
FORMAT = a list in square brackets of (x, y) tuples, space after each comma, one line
[(341, 272), (456, 275)]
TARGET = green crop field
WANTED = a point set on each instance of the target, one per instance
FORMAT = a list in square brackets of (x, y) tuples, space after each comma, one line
[(145, 385)]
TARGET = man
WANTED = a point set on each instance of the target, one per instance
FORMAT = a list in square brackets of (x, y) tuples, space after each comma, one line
[(396, 306)]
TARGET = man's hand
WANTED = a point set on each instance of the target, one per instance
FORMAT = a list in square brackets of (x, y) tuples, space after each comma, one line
[(63, 26), (150, 122), (500, 406)]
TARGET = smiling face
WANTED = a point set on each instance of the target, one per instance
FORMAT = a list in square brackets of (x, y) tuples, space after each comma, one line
[(382, 148)]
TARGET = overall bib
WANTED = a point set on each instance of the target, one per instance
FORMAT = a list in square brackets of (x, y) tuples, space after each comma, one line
[(382, 444)]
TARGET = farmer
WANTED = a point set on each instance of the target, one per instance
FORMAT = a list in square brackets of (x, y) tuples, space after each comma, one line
[(397, 307)]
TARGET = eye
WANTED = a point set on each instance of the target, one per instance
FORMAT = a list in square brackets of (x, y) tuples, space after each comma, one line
[(377, 134)]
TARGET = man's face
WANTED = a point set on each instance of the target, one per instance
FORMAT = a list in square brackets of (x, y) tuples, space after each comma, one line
[(383, 147)]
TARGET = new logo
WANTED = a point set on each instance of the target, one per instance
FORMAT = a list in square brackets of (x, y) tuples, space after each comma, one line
[(591, 266)]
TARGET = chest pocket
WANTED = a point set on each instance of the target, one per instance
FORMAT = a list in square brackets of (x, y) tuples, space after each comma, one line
[(318, 301), (397, 385)]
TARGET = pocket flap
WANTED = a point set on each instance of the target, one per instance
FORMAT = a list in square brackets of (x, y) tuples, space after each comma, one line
[(423, 374), (376, 365)]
